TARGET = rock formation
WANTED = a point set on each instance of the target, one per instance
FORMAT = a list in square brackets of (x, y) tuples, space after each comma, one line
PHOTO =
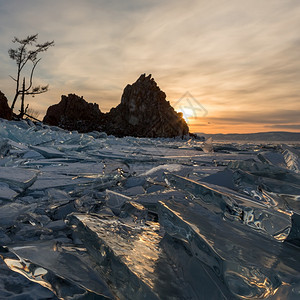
[(5, 111), (74, 113), (144, 112)]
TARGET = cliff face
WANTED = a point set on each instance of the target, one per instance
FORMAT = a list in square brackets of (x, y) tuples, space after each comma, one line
[(74, 113), (5, 111), (144, 112)]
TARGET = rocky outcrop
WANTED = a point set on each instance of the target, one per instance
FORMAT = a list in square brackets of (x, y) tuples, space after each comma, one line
[(5, 111), (74, 113), (144, 112)]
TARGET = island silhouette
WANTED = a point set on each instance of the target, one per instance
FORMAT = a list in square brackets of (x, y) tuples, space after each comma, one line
[(143, 112)]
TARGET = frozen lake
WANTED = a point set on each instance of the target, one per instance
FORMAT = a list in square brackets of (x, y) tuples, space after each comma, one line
[(90, 216)]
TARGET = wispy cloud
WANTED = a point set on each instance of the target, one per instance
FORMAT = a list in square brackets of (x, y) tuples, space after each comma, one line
[(237, 58), (284, 126)]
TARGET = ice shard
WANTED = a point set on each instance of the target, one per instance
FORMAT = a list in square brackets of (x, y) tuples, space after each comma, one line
[(18, 177), (265, 170), (11, 211), (66, 271), (129, 256), (292, 158), (48, 152), (236, 207), (275, 158), (199, 242), (6, 193)]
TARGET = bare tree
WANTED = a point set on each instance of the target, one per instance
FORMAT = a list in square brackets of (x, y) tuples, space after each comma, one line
[(26, 52)]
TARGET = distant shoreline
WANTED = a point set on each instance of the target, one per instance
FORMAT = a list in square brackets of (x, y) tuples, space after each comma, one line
[(273, 136)]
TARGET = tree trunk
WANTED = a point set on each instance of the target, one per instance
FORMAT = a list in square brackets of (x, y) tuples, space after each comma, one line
[(22, 111), (14, 101)]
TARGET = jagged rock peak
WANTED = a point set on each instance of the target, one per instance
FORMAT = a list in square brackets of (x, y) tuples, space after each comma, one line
[(145, 112), (145, 89), (5, 111), (146, 79)]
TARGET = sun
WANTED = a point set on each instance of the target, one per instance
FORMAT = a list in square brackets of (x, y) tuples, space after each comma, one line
[(186, 113)]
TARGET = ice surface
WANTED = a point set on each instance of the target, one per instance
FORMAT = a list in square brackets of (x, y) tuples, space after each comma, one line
[(135, 190), (15, 286), (17, 177), (6, 193), (291, 157), (157, 172), (48, 152), (51, 180), (130, 258), (4, 147), (222, 178), (55, 265), (10, 212), (249, 266), (115, 200), (236, 207), (33, 155), (273, 158), (265, 170), (89, 216), (244, 179)]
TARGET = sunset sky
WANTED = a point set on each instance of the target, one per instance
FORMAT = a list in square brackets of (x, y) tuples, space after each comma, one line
[(237, 61)]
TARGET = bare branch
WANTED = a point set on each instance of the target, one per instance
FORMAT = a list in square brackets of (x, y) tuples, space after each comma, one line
[(31, 117), (35, 93), (24, 61), (27, 41), (45, 46), (25, 111), (38, 90), (12, 78), (31, 75)]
